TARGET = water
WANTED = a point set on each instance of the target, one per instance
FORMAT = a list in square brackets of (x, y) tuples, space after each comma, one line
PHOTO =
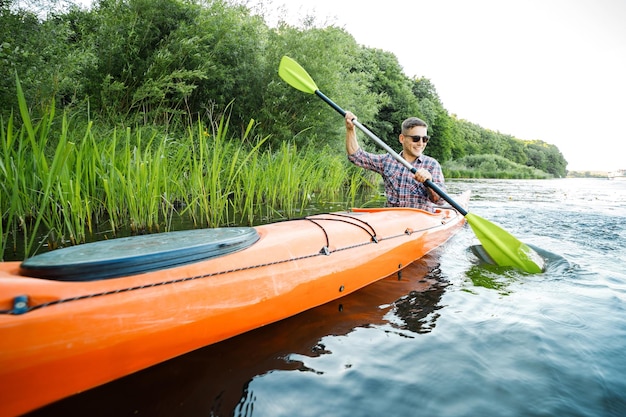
[(450, 338)]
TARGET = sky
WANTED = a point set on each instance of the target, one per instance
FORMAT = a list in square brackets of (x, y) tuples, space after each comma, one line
[(553, 70)]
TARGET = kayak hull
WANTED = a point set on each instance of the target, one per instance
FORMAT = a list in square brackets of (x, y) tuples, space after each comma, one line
[(73, 336)]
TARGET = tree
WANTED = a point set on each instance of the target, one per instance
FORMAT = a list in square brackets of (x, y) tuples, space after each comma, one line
[(437, 117), (35, 51), (328, 55), (546, 157), (159, 61), (392, 87), (128, 38), (515, 151)]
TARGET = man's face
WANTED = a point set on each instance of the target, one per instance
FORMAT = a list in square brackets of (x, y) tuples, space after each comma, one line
[(411, 149)]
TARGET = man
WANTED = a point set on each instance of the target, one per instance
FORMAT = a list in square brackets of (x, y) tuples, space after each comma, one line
[(403, 188)]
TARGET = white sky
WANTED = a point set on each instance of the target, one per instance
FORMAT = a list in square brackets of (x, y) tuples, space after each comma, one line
[(553, 70)]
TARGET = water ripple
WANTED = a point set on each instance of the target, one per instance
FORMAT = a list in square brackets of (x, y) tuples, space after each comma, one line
[(565, 317)]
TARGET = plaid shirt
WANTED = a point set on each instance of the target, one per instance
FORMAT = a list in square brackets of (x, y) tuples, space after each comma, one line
[(401, 188)]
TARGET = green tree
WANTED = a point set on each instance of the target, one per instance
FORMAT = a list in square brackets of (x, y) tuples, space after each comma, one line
[(227, 45), (545, 157), (392, 87), (126, 37), (441, 126), (41, 54), (328, 55), (557, 165), (165, 61), (515, 150)]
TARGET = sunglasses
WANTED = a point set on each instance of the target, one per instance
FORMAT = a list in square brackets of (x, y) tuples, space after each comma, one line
[(416, 138)]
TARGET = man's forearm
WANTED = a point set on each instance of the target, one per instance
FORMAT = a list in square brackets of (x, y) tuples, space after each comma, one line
[(351, 143), (433, 196)]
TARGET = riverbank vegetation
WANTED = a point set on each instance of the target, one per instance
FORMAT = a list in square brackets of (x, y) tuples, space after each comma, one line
[(132, 113), (490, 166), (588, 174), (139, 180)]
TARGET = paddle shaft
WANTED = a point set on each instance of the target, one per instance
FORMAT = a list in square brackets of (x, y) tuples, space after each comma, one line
[(393, 153), (503, 247)]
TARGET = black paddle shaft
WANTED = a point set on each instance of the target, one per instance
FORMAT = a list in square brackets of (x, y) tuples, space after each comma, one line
[(445, 196), (330, 103)]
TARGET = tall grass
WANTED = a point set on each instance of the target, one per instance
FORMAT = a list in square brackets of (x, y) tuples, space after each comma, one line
[(61, 181)]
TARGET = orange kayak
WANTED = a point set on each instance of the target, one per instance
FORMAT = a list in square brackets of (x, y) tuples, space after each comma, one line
[(82, 316)]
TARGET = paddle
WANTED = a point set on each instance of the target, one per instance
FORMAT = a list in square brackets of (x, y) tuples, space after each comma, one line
[(502, 247)]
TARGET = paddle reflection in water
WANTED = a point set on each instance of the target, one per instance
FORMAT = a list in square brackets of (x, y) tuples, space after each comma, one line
[(214, 380)]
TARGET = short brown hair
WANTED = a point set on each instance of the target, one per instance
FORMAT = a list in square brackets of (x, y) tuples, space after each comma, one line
[(411, 122)]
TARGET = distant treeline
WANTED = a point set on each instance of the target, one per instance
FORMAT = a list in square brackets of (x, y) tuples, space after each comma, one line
[(490, 166), (588, 174), (169, 63)]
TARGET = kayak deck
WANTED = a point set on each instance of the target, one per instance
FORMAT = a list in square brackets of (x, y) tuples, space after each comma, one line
[(137, 254)]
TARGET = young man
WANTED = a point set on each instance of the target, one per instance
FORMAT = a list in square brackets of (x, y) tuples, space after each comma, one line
[(403, 189)]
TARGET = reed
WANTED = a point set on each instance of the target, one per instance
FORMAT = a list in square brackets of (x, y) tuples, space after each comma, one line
[(141, 177), (212, 160), (10, 203), (111, 199), (41, 177), (62, 181)]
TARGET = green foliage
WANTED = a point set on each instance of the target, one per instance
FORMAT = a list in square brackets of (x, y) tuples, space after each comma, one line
[(327, 54), (31, 49), (545, 157), (490, 166), (440, 124), (133, 71), (168, 62), (62, 186), (586, 174), (392, 88), (140, 85), (536, 154)]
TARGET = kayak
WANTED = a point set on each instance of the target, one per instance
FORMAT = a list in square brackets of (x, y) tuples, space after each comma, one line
[(78, 317)]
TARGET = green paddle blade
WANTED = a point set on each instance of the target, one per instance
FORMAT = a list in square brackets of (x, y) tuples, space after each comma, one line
[(294, 75), (504, 248)]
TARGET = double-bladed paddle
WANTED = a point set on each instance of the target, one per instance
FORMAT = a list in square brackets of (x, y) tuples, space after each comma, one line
[(500, 245)]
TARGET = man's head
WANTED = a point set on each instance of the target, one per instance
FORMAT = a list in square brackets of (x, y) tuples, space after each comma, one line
[(413, 138), (411, 122)]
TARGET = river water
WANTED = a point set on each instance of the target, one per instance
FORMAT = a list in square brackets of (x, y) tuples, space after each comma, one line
[(449, 337)]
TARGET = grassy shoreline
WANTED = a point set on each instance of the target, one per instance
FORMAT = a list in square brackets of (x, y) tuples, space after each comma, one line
[(65, 181), (62, 180)]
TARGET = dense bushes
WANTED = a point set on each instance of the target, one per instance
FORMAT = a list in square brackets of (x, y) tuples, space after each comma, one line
[(170, 62), (92, 181), (490, 166), (122, 110)]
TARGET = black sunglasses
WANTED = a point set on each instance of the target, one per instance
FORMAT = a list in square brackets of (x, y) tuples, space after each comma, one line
[(416, 138)]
